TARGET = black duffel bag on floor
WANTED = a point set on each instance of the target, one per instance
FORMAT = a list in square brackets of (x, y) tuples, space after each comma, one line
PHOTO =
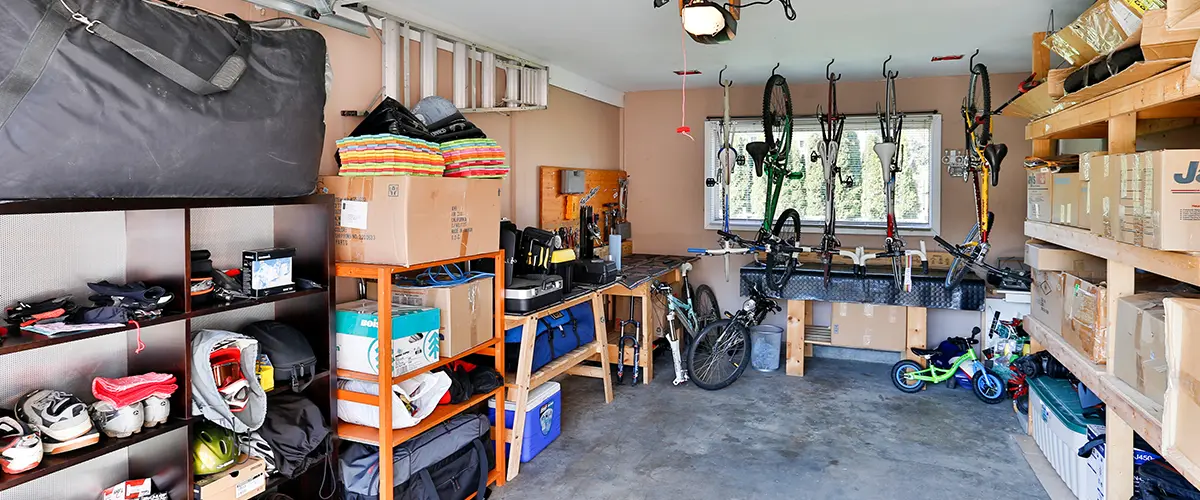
[(142, 98)]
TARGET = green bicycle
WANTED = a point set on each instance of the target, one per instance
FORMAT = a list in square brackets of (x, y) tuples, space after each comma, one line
[(910, 377), (778, 237)]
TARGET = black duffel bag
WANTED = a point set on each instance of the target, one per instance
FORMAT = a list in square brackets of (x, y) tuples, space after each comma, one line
[(141, 98)]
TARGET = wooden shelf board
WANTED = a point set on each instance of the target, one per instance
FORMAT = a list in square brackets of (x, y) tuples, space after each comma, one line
[(562, 364), (251, 302), (1141, 413), (371, 271), (370, 435), (30, 340), (488, 347), (1183, 14), (1178, 266), (1167, 94), (55, 463)]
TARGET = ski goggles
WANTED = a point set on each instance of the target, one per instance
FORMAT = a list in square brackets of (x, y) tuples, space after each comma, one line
[(228, 377)]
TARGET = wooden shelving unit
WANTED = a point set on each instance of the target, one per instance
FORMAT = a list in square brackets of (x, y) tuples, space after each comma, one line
[(385, 435), (158, 237)]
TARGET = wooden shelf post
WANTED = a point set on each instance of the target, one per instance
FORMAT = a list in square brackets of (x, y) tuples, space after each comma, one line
[(797, 311)]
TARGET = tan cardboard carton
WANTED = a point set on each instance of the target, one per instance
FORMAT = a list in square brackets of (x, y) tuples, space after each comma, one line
[(1038, 196), (1047, 298), (1158, 42), (1152, 355), (1169, 218), (1050, 257), (244, 480), (869, 326), (1085, 324), (466, 312), (1103, 199), (1127, 340), (1065, 194), (1133, 192), (405, 220)]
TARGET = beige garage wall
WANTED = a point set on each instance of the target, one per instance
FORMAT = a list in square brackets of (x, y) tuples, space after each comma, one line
[(667, 170), (575, 131)]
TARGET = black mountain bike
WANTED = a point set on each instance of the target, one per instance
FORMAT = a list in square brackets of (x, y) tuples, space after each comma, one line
[(720, 352)]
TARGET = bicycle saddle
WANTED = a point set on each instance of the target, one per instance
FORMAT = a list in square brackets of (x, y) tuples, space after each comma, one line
[(758, 152), (923, 352), (994, 154)]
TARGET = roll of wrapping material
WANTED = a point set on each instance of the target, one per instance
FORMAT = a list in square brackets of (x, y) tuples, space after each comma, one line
[(614, 249)]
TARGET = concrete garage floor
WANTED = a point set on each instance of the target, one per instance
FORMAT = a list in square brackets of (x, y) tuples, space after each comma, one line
[(841, 432)]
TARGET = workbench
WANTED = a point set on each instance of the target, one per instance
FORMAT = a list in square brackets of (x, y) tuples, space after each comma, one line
[(571, 363), (639, 272)]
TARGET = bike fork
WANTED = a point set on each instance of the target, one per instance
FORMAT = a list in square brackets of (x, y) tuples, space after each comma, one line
[(634, 342), (681, 375)]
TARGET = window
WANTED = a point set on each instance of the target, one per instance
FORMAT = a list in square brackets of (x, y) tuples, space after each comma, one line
[(861, 209)]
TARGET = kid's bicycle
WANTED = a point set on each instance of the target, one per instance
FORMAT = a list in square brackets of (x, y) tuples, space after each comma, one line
[(954, 355), (832, 125), (720, 352), (982, 168), (692, 313)]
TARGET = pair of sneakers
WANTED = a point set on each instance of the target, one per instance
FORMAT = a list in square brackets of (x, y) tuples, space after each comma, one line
[(45, 422), (125, 421)]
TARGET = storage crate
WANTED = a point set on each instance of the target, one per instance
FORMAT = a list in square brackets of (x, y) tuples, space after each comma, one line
[(543, 419), (1060, 429)]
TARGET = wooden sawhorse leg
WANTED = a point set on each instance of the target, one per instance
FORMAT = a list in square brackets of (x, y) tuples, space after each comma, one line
[(521, 392)]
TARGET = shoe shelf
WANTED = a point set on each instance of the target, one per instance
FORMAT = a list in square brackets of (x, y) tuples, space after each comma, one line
[(54, 463), (157, 236), (382, 274)]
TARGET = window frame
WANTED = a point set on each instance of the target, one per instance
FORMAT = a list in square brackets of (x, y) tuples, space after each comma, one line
[(844, 227)]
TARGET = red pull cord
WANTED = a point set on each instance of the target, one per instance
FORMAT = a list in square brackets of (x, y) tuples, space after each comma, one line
[(140, 346), (683, 128)]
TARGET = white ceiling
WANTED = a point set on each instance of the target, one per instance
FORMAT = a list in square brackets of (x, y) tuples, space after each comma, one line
[(630, 46)]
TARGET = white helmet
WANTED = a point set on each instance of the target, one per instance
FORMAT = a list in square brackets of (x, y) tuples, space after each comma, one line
[(118, 422), (253, 444), (20, 446), (61, 418), (157, 410)]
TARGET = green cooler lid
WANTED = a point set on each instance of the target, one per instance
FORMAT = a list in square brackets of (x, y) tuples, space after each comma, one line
[(1063, 400)]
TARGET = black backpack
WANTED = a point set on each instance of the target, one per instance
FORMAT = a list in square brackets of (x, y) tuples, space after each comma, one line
[(1157, 480), (288, 350)]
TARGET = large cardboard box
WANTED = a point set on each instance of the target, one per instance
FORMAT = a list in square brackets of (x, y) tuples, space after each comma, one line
[(1047, 298), (1065, 198), (1158, 42), (1152, 355), (1038, 196), (244, 480), (1103, 195), (407, 220), (1085, 324), (1181, 408), (1133, 319), (1163, 189), (415, 340), (1050, 257), (466, 310), (869, 326)]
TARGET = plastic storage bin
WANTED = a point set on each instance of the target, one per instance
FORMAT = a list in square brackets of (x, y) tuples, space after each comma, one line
[(543, 420), (1060, 429), (766, 342)]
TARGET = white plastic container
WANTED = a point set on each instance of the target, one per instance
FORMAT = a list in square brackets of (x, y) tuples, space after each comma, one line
[(766, 342), (1060, 436)]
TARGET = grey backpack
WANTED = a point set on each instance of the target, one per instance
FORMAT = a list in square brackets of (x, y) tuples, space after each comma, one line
[(448, 462), (289, 352)]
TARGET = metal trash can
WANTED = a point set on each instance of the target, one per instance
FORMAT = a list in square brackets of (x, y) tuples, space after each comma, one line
[(766, 342)]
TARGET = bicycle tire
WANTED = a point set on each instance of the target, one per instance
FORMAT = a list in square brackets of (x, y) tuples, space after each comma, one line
[(898, 379), (707, 309), (712, 333), (993, 382), (772, 117), (983, 135), (958, 268), (780, 267)]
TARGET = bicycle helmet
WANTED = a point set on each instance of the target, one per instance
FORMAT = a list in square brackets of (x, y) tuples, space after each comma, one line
[(227, 374), (252, 444), (118, 422), (156, 411), (61, 418), (20, 446), (213, 450)]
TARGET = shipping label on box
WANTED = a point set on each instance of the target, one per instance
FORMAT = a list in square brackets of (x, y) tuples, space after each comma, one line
[(1038, 196), (415, 341), (1085, 324), (405, 220), (1065, 194), (869, 326)]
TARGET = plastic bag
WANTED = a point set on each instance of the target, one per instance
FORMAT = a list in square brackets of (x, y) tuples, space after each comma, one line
[(391, 117)]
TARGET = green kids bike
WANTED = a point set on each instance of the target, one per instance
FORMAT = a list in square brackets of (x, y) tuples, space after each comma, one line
[(944, 362)]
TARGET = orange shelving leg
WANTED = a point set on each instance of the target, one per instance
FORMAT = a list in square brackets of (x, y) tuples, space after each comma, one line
[(501, 396), (385, 385)]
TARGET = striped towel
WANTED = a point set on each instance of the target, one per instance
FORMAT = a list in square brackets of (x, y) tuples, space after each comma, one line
[(387, 154), (474, 158)]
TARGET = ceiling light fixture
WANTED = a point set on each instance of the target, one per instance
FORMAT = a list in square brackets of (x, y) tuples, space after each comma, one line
[(710, 22)]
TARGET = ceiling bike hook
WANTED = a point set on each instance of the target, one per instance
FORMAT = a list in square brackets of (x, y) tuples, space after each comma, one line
[(889, 74), (830, 76), (972, 61), (721, 78), (775, 68)]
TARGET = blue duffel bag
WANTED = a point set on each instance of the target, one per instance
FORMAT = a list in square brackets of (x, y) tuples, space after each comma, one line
[(557, 335)]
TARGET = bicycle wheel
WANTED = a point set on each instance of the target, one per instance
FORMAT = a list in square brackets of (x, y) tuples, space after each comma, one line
[(707, 309), (958, 268), (719, 355), (900, 372), (777, 117), (781, 265), (988, 387), (983, 111)]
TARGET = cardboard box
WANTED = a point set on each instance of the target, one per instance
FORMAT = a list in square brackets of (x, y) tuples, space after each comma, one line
[(1152, 355), (1047, 298), (1158, 42), (1132, 320), (244, 480), (1162, 189), (1085, 324), (466, 312), (1065, 194), (1181, 408), (1050, 257), (1103, 195), (409, 220), (415, 340), (1056, 81), (1038, 196), (869, 326)]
